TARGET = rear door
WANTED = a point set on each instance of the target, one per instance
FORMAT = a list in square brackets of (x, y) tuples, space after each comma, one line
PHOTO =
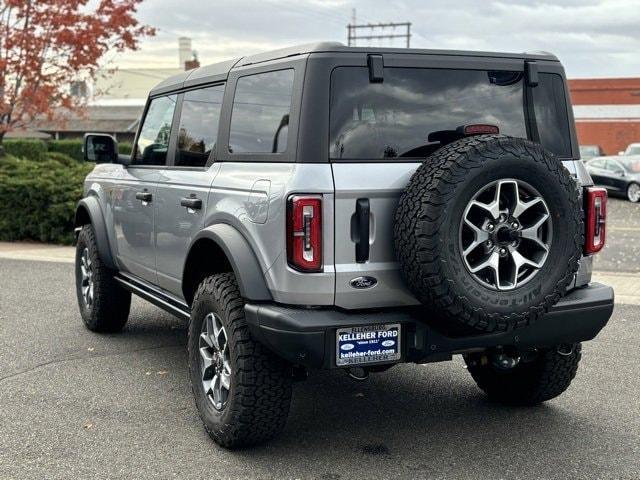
[(616, 173), (183, 186), (381, 129)]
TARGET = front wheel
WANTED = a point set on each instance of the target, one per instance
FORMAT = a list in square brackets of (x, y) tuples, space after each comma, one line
[(525, 378), (241, 389), (104, 304), (633, 192)]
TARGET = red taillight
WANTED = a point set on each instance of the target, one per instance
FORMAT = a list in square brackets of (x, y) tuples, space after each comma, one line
[(304, 232), (595, 219)]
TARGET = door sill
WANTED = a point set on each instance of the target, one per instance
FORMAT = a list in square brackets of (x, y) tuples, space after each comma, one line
[(154, 295)]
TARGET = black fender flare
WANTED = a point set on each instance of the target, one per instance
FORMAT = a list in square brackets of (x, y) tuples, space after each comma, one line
[(88, 211), (241, 257)]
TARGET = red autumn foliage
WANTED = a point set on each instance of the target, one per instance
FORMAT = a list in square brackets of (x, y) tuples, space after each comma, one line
[(47, 44)]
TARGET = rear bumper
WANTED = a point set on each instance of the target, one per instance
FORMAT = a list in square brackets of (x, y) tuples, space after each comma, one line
[(307, 336)]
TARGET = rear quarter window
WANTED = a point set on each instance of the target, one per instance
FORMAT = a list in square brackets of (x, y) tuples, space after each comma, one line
[(260, 115), (550, 106)]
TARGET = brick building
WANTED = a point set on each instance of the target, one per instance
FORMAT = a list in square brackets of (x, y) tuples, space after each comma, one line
[(607, 112)]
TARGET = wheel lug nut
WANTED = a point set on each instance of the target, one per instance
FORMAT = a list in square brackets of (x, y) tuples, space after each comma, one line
[(490, 227), (514, 225), (502, 251), (489, 244), (502, 218)]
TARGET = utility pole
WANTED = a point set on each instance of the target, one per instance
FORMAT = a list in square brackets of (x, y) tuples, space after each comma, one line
[(376, 31)]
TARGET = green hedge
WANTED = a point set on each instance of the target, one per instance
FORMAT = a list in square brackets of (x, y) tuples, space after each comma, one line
[(31, 149), (72, 148), (37, 149), (38, 198)]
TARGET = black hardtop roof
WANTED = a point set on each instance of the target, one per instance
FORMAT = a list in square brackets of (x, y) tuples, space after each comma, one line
[(219, 71)]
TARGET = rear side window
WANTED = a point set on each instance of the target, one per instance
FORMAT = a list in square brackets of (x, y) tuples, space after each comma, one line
[(198, 132), (153, 140), (260, 115), (399, 118), (550, 106)]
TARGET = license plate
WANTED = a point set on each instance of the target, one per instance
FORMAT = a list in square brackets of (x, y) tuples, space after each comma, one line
[(368, 344)]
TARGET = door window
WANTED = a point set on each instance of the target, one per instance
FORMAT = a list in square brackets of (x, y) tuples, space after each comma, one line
[(198, 132), (614, 166), (153, 141), (260, 117)]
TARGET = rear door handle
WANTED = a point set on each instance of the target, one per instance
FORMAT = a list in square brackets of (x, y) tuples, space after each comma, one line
[(191, 202), (144, 196), (362, 230)]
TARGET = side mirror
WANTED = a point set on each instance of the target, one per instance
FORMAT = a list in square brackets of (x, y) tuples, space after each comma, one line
[(100, 148)]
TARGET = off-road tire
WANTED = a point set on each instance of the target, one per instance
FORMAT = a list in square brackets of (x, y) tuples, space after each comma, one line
[(109, 310), (542, 379), (260, 395), (427, 226)]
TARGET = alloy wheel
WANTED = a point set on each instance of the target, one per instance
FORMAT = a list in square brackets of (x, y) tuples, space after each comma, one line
[(215, 364), (86, 282), (505, 234), (633, 192)]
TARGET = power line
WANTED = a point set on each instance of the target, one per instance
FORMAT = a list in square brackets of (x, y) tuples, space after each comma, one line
[(377, 31)]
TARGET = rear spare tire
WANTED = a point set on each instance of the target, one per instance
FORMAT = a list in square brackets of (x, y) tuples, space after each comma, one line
[(488, 233)]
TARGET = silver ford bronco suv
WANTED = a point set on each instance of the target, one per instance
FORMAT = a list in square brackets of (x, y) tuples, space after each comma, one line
[(324, 207)]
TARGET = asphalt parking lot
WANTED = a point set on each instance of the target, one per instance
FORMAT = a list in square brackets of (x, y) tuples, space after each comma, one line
[(74, 404)]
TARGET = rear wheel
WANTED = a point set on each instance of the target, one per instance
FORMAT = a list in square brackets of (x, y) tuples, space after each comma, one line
[(488, 233), (241, 389), (525, 378), (633, 192), (104, 304)]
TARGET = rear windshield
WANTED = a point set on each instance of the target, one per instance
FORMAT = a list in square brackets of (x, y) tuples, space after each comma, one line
[(405, 116)]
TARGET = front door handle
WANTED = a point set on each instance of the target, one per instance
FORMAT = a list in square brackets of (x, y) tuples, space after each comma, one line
[(144, 196), (191, 202)]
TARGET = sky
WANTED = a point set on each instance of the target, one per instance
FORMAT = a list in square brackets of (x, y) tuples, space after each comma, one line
[(593, 38)]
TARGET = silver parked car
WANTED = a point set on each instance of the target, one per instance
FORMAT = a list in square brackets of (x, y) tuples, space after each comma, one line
[(325, 207)]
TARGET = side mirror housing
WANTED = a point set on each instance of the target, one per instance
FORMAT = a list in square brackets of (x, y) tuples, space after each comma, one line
[(100, 148)]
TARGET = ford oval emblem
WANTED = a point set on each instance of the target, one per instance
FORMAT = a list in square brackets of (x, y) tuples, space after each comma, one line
[(363, 282)]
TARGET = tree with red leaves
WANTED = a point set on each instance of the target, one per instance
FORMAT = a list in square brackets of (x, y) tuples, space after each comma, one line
[(47, 44)]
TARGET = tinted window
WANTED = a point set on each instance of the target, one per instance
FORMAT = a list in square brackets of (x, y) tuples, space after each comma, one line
[(198, 130), (403, 116), (153, 141), (614, 166), (551, 114), (260, 117)]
